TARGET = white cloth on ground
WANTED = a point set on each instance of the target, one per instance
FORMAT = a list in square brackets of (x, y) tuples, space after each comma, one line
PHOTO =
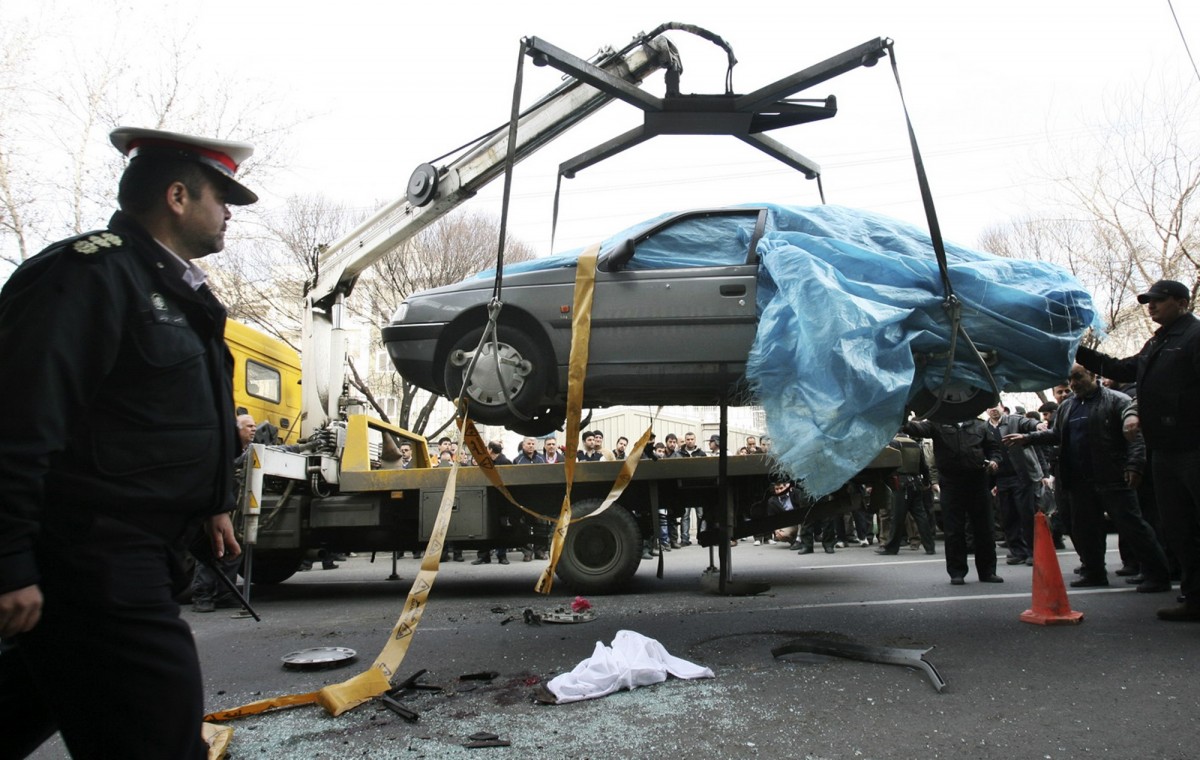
[(633, 660)]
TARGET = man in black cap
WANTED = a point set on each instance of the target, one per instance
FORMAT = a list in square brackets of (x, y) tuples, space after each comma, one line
[(122, 442), (1167, 373)]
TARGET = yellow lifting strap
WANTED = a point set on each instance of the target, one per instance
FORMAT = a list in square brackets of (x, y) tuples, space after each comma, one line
[(581, 339), (338, 698)]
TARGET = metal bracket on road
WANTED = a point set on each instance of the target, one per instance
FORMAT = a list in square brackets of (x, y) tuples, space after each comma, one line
[(911, 658), (412, 716)]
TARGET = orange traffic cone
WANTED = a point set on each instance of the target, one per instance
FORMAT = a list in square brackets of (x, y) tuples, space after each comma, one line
[(1050, 605)]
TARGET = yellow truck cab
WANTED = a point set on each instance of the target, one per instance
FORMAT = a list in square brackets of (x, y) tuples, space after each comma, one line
[(266, 378)]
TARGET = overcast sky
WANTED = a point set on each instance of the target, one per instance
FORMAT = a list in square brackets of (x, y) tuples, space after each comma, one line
[(997, 91)]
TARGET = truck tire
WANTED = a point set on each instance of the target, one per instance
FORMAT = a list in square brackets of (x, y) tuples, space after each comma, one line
[(274, 567), (601, 554)]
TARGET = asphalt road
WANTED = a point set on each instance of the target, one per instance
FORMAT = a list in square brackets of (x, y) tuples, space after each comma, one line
[(1122, 684)]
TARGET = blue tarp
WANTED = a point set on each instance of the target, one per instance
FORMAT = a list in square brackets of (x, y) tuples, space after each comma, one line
[(845, 298)]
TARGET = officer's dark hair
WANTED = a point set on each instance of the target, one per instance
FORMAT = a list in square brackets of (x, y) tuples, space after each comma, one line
[(147, 178)]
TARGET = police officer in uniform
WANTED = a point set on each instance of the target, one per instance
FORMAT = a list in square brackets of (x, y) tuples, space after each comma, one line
[(120, 440)]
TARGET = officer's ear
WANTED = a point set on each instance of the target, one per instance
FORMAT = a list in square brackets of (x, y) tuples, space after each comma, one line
[(177, 197)]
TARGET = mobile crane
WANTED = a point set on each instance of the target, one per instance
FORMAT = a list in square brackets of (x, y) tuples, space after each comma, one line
[(329, 495)]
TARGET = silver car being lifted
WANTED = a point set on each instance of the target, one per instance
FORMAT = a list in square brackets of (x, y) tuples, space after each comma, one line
[(669, 325)]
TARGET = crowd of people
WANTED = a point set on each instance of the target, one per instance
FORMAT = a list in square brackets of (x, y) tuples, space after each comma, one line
[(591, 449)]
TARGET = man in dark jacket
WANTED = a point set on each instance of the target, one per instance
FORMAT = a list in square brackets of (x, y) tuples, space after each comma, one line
[(1099, 472), (529, 453), (121, 438), (965, 453), (1017, 480), (1167, 373)]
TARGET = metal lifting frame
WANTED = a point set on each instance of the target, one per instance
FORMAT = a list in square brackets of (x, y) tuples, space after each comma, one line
[(745, 117)]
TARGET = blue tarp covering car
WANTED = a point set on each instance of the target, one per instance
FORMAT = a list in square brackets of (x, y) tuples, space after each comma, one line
[(853, 325)]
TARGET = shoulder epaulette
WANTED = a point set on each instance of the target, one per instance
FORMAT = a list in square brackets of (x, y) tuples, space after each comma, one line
[(94, 242)]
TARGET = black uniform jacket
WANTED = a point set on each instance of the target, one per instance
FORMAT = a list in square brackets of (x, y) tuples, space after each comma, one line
[(118, 387), (1167, 371), (965, 447)]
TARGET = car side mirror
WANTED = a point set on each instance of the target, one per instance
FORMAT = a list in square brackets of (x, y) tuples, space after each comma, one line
[(620, 256)]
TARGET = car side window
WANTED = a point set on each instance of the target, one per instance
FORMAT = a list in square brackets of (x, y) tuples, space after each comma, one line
[(707, 240)]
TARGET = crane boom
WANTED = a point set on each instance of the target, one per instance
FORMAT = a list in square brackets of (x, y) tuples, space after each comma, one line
[(432, 193)]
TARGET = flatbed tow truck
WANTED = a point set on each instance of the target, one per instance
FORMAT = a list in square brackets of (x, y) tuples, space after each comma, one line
[(331, 494)]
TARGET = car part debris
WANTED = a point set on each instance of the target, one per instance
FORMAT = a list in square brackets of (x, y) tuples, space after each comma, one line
[(409, 715), (486, 739), (911, 658), (318, 657), (484, 675), (565, 616), (411, 683)]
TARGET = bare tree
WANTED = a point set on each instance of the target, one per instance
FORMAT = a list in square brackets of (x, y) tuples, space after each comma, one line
[(57, 172), (262, 281), (18, 192), (1129, 212), (262, 277), (1141, 196)]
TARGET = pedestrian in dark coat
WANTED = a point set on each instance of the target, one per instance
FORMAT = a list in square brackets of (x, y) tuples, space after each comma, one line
[(1099, 472), (965, 453)]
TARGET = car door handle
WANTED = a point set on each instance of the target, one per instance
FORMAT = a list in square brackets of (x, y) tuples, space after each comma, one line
[(733, 290)]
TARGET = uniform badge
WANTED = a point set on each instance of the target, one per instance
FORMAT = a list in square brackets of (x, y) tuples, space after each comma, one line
[(94, 243), (158, 302)]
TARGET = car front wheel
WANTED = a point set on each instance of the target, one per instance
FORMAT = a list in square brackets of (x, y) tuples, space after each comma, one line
[(514, 367)]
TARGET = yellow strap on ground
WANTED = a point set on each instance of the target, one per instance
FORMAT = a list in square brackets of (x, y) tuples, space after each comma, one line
[(262, 705), (581, 335), (217, 738), (338, 698)]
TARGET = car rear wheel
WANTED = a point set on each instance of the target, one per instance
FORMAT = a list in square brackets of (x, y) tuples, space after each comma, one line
[(520, 370), (602, 553), (959, 403), (549, 420)]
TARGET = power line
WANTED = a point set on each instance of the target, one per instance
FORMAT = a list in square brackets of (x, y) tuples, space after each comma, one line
[(1183, 37)]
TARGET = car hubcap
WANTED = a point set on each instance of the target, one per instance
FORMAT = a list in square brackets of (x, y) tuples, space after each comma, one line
[(492, 379)]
